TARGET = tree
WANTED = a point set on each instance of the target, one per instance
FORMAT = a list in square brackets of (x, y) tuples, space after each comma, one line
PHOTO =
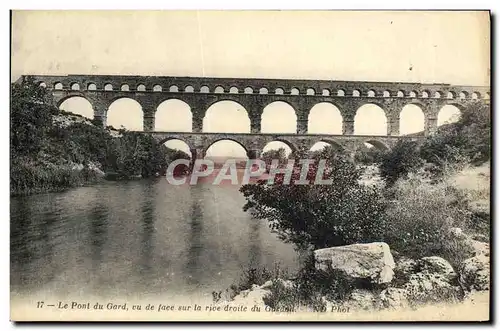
[(274, 154), (30, 117), (401, 160), (467, 139), (319, 215)]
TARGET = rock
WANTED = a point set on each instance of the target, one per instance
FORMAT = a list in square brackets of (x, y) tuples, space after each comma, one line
[(457, 233), (394, 298), (362, 300), (475, 273), (285, 283), (480, 248), (437, 265), (372, 261), (251, 297), (425, 287), (430, 279), (406, 266)]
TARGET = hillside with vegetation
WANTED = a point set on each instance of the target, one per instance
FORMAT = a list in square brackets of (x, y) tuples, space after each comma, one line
[(418, 237), (53, 150)]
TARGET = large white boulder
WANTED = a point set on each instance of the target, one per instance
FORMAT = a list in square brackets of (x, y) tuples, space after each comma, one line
[(372, 261)]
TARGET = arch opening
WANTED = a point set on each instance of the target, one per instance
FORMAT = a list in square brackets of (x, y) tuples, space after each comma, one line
[(91, 87), (173, 88), (248, 90), (341, 93), (413, 94), (411, 120), (279, 90), (233, 90), (125, 88), (356, 93), (273, 147), (425, 94), (226, 116), (400, 94), (125, 113), (58, 86), (263, 90), (78, 105), (204, 89), (219, 89), (141, 88), (370, 119), (325, 92), (189, 89), (157, 88), (278, 117), (173, 115), (325, 118), (177, 145), (294, 91), (43, 84), (375, 144), (321, 145), (310, 91), (386, 94), (371, 94), (75, 87), (219, 151), (448, 114)]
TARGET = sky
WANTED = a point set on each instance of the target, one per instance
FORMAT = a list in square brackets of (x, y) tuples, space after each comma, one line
[(438, 47)]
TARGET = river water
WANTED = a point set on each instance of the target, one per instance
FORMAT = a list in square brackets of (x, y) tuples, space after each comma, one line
[(138, 238)]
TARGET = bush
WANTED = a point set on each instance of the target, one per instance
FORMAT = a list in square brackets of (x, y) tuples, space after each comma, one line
[(401, 160), (467, 139), (320, 215), (274, 154), (368, 156), (309, 287), (420, 217)]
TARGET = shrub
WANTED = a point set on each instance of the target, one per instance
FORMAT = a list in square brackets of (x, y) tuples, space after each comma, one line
[(467, 139), (309, 287), (401, 160), (368, 156), (281, 298), (257, 276), (319, 216), (274, 154), (420, 217)]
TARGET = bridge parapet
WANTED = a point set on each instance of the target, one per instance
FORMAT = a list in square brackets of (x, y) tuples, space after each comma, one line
[(238, 85)]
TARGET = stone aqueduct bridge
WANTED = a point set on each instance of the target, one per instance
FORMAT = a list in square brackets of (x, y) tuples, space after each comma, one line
[(255, 94)]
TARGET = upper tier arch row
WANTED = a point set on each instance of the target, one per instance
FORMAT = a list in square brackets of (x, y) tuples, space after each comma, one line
[(145, 84)]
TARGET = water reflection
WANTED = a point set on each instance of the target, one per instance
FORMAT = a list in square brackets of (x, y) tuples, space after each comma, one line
[(98, 218), (254, 251), (118, 239), (193, 268), (147, 242)]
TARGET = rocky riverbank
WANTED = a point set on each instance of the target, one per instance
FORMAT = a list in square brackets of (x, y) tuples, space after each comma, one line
[(380, 280)]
